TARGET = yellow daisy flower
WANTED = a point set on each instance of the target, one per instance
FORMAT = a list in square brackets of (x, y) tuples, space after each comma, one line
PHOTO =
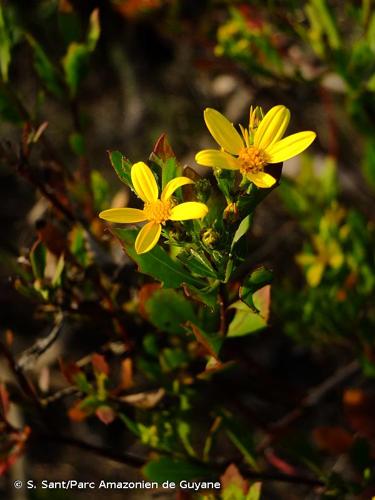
[(156, 211), (260, 144)]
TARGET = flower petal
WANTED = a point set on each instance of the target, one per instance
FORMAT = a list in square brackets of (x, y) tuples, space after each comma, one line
[(272, 127), (223, 131), (262, 180), (147, 237), (188, 210), (123, 215), (174, 184), (217, 159), (144, 182), (290, 146)]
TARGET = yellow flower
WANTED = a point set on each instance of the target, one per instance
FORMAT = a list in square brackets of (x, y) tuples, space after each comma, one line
[(156, 211), (260, 144)]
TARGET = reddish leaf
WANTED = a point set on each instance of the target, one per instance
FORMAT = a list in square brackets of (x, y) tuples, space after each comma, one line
[(334, 440), (232, 476), (126, 374), (69, 370), (105, 414), (163, 149), (144, 295), (76, 414), (99, 364)]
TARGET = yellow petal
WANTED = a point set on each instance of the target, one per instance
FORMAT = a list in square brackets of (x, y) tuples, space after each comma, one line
[(188, 210), (174, 184), (223, 131), (217, 159), (144, 182), (147, 237), (272, 127), (262, 180), (127, 215), (290, 146)]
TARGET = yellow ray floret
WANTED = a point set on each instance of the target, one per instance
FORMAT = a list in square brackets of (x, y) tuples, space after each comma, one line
[(156, 211), (260, 145)]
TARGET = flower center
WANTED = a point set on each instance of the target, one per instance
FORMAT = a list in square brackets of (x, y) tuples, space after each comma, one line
[(158, 211), (252, 160)]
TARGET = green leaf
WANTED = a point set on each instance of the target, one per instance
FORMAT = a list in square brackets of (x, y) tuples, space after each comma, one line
[(242, 229), (156, 263), (245, 321), (256, 280), (122, 167), (184, 432), (100, 190), (173, 469), (254, 492), (240, 437), (197, 263), (45, 69), (94, 30), (56, 281), (168, 310), (75, 64), (38, 255), (5, 46), (77, 143), (8, 110)]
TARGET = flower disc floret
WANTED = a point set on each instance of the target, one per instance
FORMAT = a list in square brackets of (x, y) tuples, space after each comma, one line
[(252, 160), (158, 211)]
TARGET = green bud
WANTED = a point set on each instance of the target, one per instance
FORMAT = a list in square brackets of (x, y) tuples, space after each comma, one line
[(203, 189), (210, 237)]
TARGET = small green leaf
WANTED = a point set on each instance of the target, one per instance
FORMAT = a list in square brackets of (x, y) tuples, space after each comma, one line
[(77, 143), (212, 342), (5, 46), (58, 271), (94, 30), (38, 255), (122, 167), (197, 263), (242, 229), (156, 263), (256, 280), (173, 469), (245, 321), (75, 64), (45, 69), (100, 190), (254, 492)]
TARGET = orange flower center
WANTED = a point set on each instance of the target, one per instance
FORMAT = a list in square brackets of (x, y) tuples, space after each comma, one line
[(158, 211), (252, 160)]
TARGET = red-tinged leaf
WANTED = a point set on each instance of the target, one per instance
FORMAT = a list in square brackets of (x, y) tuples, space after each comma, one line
[(99, 364), (9, 337), (232, 476), (70, 371), (76, 414), (144, 295), (163, 149), (279, 463), (334, 440), (211, 342), (105, 414), (359, 408), (127, 374), (4, 400)]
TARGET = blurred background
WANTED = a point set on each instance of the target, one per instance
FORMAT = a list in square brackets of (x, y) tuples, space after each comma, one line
[(79, 79)]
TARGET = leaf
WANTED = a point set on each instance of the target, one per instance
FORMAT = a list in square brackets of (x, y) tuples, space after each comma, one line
[(144, 400), (45, 69), (245, 321), (122, 167), (334, 440), (254, 492), (168, 310), (197, 263), (38, 256), (257, 279), (234, 486), (56, 280), (94, 30), (242, 229), (156, 263), (163, 149), (173, 469), (240, 437), (77, 143), (99, 364), (212, 342), (5, 46), (105, 414), (75, 64), (100, 190)]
